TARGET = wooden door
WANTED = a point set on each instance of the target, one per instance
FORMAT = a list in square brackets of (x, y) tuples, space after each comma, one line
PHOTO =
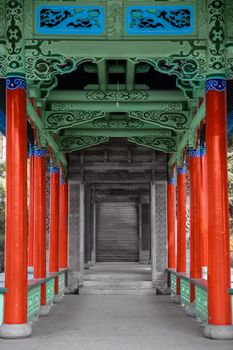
[(117, 238)]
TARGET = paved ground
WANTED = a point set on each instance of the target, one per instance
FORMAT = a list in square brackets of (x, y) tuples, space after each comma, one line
[(120, 267), (116, 323)]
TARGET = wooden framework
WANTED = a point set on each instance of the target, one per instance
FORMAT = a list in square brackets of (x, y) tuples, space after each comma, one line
[(40, 41), (184, 53)]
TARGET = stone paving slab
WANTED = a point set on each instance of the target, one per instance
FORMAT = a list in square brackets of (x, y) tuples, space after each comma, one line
[(116, 323)]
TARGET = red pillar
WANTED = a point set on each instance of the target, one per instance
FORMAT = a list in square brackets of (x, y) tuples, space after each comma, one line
[(171, 223), (204, 209), (219, 302), (63, 224), (195, 233), (40, 219), (31, 207), (16, 257), (54, 222), (181, 222)]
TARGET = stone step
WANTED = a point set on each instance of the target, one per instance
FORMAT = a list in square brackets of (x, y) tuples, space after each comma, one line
[(118, 284), (94, 291), (117, 277)]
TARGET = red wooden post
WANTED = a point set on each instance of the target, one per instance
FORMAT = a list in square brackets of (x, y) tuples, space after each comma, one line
[(54, 224), (63, 226), (219, 301), (204, 210), (31, 207), (195, 233), (171, 223), (40, 223), (181, 222), (16, 257)]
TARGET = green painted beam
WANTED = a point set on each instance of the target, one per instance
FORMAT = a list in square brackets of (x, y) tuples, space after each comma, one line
[(115, 107), (159, 143), (116, 68), (125, 123), (130, 75), (57, 120), (102, 74), (117, 49), (54, 121), (177, 121), (199, 116), (118, 132), (99, 96), (59, 156), (71, 144)]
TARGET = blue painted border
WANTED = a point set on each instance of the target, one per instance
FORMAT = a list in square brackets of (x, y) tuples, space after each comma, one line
[(54, 169), (216, 84), (74, 31), (181, 169), (182, 31)]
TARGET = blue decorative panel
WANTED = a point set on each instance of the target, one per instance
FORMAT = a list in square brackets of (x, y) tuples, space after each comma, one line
[(160, 20), (69, 20)]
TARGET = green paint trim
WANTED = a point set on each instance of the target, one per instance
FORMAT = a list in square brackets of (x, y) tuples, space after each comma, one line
[(122, 95), (130, 74), (161, 143), (177, 121), (52, 143), (1, 307), (173, 283), (102, 74), (112, 106), (62, 282), (184, 291), (71, 143), (55, 121), (36, 282), (33, 303), (16, 75), (201, 283), (199, 116), (50, 291), (216, 76), (201, 303), (116, 132), (3, 290)]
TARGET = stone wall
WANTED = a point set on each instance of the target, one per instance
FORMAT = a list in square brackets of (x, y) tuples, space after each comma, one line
[(114, 171)]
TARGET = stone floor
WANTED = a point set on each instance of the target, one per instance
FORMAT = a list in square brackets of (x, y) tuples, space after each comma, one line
[(122, 268), (106, 322), (118, 278)]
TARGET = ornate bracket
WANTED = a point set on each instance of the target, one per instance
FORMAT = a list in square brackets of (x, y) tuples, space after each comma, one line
[(15, 40), (117, 124), (44, 86), (45, 67), (117, 96), (55, 121), (177, 121), (190, 88), (115, 131), (70, 144), (164, 144), (187, 67), (216, 37)]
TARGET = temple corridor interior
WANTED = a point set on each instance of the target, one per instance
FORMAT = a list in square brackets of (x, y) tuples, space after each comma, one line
[(111, 191), (117, 116)]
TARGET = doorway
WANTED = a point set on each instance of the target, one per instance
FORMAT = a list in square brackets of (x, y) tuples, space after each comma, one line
[(117, 232)]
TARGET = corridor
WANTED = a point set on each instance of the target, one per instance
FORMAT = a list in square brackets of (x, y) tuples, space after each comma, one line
[(116, 322)]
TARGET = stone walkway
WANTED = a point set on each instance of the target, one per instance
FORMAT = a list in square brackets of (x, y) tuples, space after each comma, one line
[(112, 322)]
